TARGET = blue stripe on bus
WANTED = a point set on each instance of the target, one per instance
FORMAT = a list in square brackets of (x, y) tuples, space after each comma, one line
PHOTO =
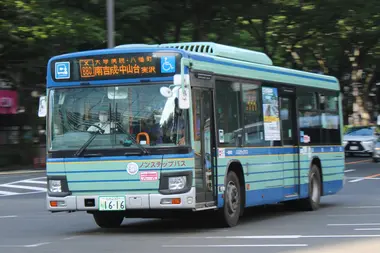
[(115, 190), (277, 194), (277, 150), (119, 82), (274, 71), (119, 170), (228, 153), (120, 158)]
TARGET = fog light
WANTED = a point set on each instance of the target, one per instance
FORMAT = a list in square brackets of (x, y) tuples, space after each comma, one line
[(174, 201), (189, 200)]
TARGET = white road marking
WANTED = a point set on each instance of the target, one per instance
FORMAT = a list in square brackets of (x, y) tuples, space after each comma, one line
[(25, 246), (361, 207), (70, 238), (280, 237), (8, 216), (36, 245), (34, 182), (349, 170), (24, 193), (23, 187), (353, 215), (234, 245), (357, 224), (367, 229), (357, 180), (7, 193)]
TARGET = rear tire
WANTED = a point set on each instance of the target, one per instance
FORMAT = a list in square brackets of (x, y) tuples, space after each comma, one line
[(108, 219), (312, 202), (230, 213)]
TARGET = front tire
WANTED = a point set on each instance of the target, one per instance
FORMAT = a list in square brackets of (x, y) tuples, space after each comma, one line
[(312, 202), (108, 219), (231, 211)]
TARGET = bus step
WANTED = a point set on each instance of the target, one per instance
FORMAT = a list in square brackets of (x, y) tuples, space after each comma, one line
[(205, 206)]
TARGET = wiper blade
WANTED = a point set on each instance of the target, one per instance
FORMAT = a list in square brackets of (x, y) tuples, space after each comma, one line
[(81, 150), (144, 150)]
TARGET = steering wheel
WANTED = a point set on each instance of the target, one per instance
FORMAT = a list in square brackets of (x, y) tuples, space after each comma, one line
[(86, 124)]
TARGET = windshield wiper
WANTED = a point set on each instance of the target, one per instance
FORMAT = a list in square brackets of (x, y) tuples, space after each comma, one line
[(81, 150), (144, 150)]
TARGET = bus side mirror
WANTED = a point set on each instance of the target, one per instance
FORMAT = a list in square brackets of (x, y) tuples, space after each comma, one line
[(183, 98), (42, 108)]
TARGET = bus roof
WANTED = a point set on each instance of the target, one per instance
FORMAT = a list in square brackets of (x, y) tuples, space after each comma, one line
[(222, 59)]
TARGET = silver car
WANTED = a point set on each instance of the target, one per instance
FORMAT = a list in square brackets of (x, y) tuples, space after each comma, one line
[(360, 140)]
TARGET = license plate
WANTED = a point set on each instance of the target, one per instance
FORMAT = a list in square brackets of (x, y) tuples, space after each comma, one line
[(354, 148), (111, 203)]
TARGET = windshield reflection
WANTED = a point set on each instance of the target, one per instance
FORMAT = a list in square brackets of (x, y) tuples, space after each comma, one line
[(121, 114)]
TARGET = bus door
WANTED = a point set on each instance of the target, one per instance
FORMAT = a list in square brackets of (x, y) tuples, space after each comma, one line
[(204, 144), (289, 136)]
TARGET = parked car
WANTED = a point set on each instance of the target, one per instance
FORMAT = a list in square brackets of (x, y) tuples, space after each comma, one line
[(376, 151), (360, 140)]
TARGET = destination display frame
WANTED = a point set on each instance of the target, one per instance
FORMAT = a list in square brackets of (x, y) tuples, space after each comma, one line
[(116, 66)]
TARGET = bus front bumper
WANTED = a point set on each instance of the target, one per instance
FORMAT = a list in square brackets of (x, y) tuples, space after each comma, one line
[(133, 201)]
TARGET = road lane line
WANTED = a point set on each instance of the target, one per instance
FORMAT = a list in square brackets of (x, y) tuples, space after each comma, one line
[(289, 237), (24, 193), (364, 178), (367, 229), (36, 245), (353, 215), (349, 170), (34, 182), (234, 245), (357, 224), (361, 161), (7, 193), (360, 207), (23, 187), (8, 216)]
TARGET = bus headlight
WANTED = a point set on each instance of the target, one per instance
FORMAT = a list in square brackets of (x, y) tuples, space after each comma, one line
[(55, 186), (177, 183)]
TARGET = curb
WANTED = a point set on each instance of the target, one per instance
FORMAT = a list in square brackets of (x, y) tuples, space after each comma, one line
[(10, 171)]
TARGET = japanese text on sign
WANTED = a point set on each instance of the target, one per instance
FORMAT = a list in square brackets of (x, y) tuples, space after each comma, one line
[(117, 66)]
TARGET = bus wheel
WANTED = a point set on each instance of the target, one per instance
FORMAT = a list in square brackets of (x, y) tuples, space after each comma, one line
[(232, 201), (312, 202), (108, 219)]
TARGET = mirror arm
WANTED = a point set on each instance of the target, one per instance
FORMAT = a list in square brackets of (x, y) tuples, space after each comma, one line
[(184, 62)]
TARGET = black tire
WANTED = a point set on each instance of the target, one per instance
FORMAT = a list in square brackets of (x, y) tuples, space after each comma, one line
[(375, 160), (230, 213), (312, 202), (108, 219)]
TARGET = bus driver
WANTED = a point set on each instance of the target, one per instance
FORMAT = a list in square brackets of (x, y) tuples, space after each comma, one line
[(103, 123)]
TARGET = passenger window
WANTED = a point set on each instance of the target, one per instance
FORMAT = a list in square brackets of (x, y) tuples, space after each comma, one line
[(309, 119), (253, 120), (228, 113)]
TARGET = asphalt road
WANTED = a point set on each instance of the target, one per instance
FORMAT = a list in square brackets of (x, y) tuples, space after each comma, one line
[(349, 219)]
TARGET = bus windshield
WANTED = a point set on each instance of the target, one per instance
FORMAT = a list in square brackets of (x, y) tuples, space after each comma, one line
[(120, 113)]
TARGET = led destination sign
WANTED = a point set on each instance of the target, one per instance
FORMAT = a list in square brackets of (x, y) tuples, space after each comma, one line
[(116, 66)]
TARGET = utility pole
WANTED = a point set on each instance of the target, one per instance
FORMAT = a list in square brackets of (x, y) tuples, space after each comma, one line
[(110, 24)]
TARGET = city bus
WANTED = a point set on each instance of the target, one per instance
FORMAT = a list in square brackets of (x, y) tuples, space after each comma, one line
[(152, 130)]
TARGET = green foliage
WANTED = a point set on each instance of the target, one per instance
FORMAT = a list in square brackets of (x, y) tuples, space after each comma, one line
[(310, 35)]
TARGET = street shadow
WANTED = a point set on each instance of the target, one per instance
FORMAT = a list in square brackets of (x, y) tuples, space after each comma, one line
[(199, 222)]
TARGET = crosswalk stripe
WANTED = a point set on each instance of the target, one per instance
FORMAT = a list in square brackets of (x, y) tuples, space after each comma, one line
[(23, 187), (7, 193), (34, 182)]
